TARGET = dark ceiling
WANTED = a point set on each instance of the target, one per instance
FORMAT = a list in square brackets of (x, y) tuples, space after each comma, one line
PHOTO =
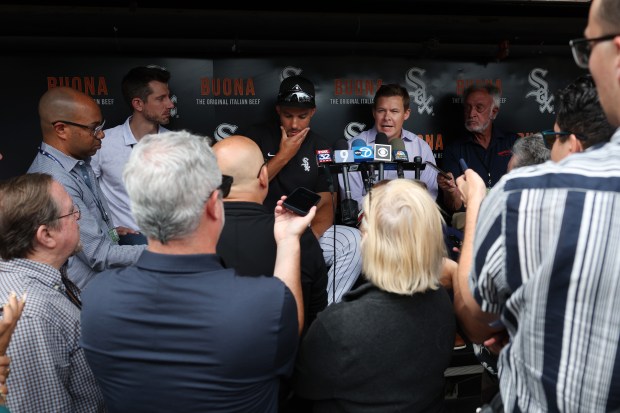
[(416, 28)]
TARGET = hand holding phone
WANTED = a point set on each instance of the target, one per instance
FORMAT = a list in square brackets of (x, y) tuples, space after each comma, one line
[(439, 171), (301, 200)]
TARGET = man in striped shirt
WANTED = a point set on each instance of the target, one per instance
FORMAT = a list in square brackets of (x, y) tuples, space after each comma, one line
[(545, 258)]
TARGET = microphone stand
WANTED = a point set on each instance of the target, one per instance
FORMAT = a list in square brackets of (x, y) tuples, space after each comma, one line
[(418, 166), (371, 175), (348, 208)]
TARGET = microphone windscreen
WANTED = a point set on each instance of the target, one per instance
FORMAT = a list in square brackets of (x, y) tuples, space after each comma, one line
[(341, 144), (357, 143), (398, 145), (381, 139)]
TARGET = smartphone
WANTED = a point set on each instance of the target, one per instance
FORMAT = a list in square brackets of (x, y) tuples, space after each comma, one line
[(439, 171), (301, 200)]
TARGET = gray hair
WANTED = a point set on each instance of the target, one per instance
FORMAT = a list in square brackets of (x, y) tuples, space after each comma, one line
[(529, 150), (491, 89), (169, 177)]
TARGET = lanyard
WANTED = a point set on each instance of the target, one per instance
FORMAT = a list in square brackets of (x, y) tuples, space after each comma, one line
[(98, 202)]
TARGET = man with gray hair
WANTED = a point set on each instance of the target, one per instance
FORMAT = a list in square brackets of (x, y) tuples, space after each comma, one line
[(486, 149), (540, 255), (178, 331), (528, 150)]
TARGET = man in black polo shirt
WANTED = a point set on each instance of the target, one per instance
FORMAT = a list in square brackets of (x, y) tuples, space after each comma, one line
[(486, 149), (289, 146)]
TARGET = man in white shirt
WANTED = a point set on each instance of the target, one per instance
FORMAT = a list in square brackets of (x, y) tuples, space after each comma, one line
[(145, 89)]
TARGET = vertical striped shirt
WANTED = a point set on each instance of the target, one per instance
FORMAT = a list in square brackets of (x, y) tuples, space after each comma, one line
[(547, 259)]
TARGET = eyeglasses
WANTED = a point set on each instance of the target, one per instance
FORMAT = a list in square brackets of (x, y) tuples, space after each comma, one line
[(75, 211), (549, 136), (261, 168), (582, 48), (227, 181), (93, 130)]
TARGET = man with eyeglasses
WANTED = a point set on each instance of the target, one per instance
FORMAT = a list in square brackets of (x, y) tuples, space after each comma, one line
[(145, 90), (580, 120), (540, 257), (247, 243), (486, 148), (39, 227), (72, 128), (290, 146), (180, 332)]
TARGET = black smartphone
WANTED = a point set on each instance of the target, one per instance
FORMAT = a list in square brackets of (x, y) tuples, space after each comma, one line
[(439, 171), (301, 200)]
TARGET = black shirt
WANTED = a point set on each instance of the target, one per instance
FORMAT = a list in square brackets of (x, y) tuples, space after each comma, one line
[(247, 244), (490, 163), (301, 170)]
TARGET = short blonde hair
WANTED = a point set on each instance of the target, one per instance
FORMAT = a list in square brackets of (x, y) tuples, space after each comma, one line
[(402, 244)]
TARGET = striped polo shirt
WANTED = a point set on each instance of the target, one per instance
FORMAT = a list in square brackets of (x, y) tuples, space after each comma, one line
[(547, 259)]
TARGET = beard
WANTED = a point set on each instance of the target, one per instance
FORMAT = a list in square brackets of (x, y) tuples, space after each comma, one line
[(478, 129), (159, 119)]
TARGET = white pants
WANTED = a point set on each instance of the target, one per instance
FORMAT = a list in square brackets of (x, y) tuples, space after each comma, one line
[(346, 266)]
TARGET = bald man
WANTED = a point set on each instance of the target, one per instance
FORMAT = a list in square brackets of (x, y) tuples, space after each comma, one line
[(72, 128), (247, 242)]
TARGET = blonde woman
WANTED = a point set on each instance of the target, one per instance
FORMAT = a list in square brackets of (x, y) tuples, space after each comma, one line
[(386, 345)]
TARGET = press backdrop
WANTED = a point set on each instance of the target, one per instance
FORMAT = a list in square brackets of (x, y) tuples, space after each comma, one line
[(215, 97)]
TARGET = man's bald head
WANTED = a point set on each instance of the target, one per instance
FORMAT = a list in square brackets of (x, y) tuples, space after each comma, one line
[(240, 157), (63, 103)]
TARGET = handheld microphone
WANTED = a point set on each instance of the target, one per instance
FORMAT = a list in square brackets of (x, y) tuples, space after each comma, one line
[(361, 151), (342, 153), (400, 156), (418, 166), (383, 152), (324, 158), (348, 206)]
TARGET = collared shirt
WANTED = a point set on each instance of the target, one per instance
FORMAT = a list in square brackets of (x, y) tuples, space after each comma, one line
[(415, 147), (247, 244), (181, 333), (99, 251), (490, 163), (546, 259), (49, 372), (301, 170), (108, 164)]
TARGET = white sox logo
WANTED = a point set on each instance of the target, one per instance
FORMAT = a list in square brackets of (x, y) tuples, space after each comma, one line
[(305, 163), (419, 90), (224, 130), (541, 93), (174, 112), (289, 71), (353, 129)]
